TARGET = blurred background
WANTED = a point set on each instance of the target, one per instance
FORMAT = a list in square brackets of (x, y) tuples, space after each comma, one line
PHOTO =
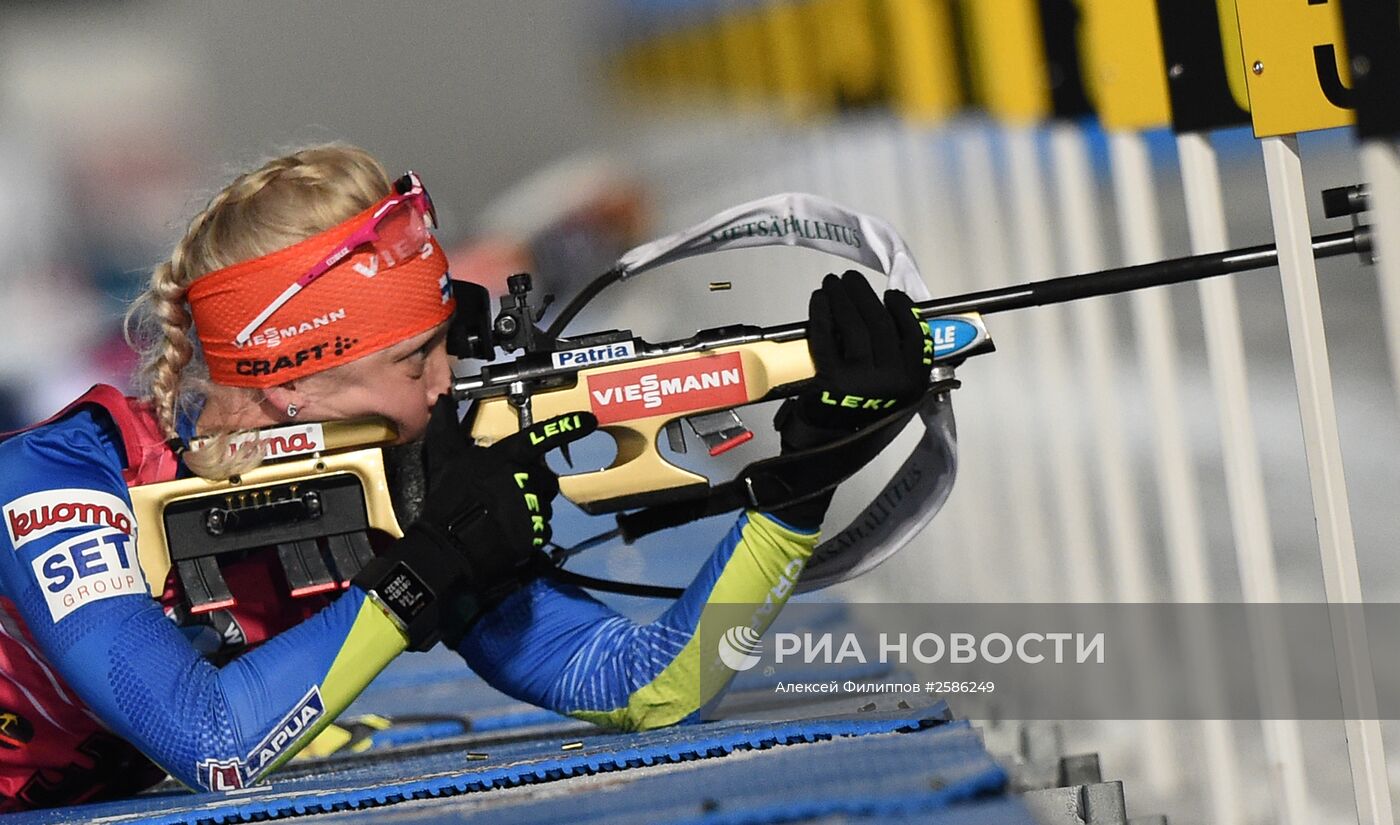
[(118, 120)]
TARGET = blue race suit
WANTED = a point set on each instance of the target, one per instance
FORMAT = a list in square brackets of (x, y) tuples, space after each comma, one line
[(85, 649)]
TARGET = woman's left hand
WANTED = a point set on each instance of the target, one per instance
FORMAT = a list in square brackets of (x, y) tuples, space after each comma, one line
[(871, 359)]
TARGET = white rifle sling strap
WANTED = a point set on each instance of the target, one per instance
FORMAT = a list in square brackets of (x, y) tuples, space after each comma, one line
[(916, 492)]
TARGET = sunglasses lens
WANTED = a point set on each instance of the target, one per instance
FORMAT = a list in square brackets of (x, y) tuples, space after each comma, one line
[(402, 233), (429, 209), (406, 186)]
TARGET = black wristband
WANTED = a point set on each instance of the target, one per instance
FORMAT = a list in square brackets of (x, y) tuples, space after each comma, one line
[(407, 599), (410, 580)]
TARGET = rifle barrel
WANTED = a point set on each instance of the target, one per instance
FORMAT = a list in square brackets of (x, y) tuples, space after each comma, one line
[(1129, 278), (1113, 281), (493, 381)]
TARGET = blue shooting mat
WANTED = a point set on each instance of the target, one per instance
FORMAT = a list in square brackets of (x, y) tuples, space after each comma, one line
[(924, 773), (949, 758), (882, 757)]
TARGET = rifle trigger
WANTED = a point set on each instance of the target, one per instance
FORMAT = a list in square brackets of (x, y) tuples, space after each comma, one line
[(721, 431), (675, 436)]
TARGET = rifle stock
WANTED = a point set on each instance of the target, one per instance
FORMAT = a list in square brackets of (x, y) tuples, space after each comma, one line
[(183, 522), (635, 398)]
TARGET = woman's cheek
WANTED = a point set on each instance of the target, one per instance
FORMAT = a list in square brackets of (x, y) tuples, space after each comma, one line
[(413, 423)]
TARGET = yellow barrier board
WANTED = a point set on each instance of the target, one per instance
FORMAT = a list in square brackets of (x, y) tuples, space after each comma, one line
[(1125, 74), (745, 57), (699, 53), (1295, 65), (789, 44), (1234, 56), (643, 79), (1007, 59), (923, 59), (667, 60), (848, 58)]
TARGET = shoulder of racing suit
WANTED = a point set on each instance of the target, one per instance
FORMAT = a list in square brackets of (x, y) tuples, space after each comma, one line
[(73, 575), (145, 456)]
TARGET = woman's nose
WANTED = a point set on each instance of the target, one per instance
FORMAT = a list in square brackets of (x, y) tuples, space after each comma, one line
[(438, 374)]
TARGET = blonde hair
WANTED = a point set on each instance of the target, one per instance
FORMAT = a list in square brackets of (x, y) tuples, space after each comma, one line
[(286, 200)]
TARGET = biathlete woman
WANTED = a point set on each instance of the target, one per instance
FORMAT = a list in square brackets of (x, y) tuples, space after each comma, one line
[(311, 290)]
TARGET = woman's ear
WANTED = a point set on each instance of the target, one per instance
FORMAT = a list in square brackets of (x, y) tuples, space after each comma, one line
[(284, 402)]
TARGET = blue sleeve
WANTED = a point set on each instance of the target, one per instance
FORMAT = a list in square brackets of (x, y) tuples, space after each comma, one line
[(556, 646), (69, 564)]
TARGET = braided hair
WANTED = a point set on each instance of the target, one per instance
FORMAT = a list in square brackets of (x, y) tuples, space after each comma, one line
[(286, 200)]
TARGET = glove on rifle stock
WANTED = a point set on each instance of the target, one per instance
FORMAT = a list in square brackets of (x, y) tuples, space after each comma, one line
[(870, 358), (485, 517)]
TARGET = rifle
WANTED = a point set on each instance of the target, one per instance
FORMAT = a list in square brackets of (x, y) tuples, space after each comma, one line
[(639, 389), (324, 488)]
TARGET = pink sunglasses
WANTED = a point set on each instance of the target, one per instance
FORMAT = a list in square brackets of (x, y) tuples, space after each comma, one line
[(397, 229)]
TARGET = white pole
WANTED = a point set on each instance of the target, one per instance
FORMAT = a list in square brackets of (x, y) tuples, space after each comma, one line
[(1032, 552), (1079, 205), (1244, 477), (873, 163), (1033, 232), (880, 150), (816, 146), (1139, 225), (935, 224), (1340, 574), (924, 194), (1380, 166)]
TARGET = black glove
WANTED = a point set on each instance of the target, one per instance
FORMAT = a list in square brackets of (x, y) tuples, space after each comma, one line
[(485, 517), (870, 360)]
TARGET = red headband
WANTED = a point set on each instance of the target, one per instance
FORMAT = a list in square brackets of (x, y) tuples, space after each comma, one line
[(366, 302)]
